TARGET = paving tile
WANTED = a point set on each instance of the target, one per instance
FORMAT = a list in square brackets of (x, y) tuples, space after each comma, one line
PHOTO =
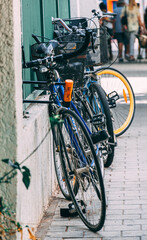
[(122, 238), (134, 233), (123, 227), (57, 234)]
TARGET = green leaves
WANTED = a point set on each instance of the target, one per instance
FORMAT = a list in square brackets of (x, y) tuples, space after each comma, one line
[(14, 165), (26, 175)]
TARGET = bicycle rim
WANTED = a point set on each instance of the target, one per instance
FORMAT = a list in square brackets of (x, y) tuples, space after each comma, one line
[(57, 154), (59, 171), (123, 113), (58, 159), (89, 199)]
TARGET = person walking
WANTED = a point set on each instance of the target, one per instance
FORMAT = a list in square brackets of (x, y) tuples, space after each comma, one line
[(108, 23), (119, 33), (145, 22), (134, 22)]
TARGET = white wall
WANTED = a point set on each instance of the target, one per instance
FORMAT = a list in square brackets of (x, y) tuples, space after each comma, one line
[(36, 133), (31, 203), (82, 8)]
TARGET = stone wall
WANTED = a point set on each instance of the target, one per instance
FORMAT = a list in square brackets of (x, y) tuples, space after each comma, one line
[(8, 136)]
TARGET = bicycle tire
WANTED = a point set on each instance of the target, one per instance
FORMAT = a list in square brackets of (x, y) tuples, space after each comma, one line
[(59, 174), (103, 104), (58, 158), (123, 114), (86, 170), (86, 115)]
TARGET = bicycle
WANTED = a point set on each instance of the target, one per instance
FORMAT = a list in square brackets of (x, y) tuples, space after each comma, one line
[(90, 96), (79, 163), (120, 94)]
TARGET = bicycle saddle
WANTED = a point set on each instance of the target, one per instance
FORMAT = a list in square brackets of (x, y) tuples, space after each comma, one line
[(47, 48)]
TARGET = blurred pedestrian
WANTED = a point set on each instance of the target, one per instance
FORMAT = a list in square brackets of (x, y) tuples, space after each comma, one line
[(145, 22), (139, 32), (107, 22), (119, 33), (134, 21)]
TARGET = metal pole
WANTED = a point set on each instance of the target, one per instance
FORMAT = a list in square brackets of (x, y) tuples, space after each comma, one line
[(37, 101), (42, 19)]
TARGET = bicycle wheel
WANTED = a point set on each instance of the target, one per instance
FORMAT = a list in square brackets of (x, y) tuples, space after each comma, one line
[(58, 155), (100, 105), (83, 172), (120, 96), (86, 114)]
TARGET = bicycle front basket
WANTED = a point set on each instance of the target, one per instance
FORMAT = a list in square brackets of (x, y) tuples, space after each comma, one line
[(72, 70)]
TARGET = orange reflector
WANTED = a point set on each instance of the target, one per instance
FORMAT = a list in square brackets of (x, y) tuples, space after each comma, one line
[(68, 90), (74, 180), (74, 47), (125, 96)]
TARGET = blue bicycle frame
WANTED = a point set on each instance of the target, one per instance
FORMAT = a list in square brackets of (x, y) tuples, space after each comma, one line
[(60, 89)]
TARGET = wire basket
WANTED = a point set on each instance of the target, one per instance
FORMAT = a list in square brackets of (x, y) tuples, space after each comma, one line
[(67, 70), (74, 71), (95, 55)]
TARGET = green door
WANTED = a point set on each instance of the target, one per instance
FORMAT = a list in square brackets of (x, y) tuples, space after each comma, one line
[(36, 18), (31, 16), (63, 8), (49, 11)]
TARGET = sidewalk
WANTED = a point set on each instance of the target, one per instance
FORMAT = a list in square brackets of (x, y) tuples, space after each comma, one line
[(126, 190), (142, 53)]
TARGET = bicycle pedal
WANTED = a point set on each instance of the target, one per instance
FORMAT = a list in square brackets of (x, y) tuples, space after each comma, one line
[(114, 142), (113, 95), (71, 211), (112, 98), (112, 103), (66, 212), (98, 119), (99, 136)]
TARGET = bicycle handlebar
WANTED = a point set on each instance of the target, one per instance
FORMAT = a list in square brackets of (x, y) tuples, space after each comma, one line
[(36, 38), (73, 29), (64, 56), (56, 20), (101, 14)]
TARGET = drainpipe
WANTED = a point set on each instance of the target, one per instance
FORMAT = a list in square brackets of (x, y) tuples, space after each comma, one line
[(69, 9), (42, 19)]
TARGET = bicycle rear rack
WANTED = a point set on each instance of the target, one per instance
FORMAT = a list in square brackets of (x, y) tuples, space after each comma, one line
[(45, 88)]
